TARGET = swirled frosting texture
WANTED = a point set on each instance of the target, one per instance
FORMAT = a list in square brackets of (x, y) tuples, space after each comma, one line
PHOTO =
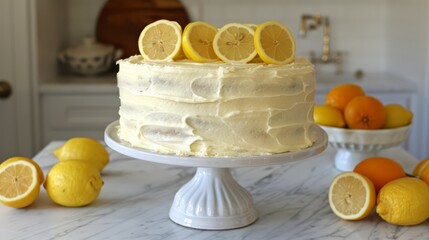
[(216, 109)]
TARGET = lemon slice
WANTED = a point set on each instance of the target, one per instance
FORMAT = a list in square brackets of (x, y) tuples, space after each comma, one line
[(234, 43), (197, 41), (252, 26), (274, 43), (256, 59), (19, 184), (161, 41), (40, 175), (351, 196)]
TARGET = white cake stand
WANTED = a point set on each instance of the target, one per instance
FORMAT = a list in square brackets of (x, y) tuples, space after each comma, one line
[(212, 199)]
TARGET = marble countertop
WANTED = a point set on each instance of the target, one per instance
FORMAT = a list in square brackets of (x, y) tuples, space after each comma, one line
[(291, 200)]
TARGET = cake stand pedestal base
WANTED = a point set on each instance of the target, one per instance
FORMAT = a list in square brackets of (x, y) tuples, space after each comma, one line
[(213, 200)]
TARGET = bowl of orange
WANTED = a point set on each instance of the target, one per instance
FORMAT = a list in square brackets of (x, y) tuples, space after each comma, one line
[(355, 145), (359, 126)]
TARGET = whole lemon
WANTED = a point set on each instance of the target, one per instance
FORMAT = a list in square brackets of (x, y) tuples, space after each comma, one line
[(73, 183), (397, 116), (404, 201), (85, 149), (328, 116)]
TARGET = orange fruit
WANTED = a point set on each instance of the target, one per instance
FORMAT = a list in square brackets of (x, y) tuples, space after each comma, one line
[(380, 170), (365, 112), (340, 95), (418, 170), (425, 175)]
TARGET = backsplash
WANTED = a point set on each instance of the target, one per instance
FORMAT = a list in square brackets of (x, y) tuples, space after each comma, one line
[(357, 27)]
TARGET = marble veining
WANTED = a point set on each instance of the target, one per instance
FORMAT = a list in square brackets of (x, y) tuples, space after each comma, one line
[(291, 201)]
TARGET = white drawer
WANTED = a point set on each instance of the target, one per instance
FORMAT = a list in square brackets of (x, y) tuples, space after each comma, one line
[(66, 116)]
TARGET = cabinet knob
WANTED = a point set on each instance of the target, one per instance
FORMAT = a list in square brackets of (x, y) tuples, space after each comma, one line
[(5, 89)]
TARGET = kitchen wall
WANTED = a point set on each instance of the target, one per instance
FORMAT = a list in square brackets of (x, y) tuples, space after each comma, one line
[(407, 54), (407, 37), (358, 27)]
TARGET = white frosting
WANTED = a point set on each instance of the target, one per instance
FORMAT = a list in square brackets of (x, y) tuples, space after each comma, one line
[(216, 109)]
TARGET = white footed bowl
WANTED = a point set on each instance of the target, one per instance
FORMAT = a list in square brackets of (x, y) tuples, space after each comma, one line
[(355, 145)]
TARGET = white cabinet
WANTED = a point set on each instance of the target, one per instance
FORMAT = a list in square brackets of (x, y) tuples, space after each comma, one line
[(68, 105), (77, 111)]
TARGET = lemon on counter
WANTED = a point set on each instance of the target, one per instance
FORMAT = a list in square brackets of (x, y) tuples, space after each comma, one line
[(40, 175), (19, 183), (274, 43), (397, 116), (351, 196), (233, 43), (404, 201), (84, 149), (328, 116), (73, 183)]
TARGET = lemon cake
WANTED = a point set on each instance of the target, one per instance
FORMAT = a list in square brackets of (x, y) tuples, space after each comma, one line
[(216, 109)]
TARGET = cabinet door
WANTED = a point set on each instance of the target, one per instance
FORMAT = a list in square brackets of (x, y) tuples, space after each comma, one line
[(7, 105), (77, 115), (15, 110)]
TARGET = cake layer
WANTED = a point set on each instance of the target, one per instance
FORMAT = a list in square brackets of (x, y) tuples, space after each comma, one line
[(216, 109)]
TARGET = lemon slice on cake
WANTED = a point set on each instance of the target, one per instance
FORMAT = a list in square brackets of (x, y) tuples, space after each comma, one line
[(352, 196), (252, 26), (234, 43), (19, 183), (197, 41), (161, 41), (274, 43)]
